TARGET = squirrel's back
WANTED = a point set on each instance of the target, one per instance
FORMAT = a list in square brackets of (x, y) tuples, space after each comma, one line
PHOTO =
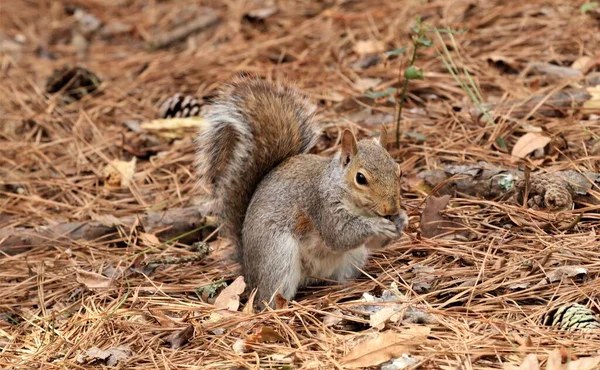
[(252, 127)]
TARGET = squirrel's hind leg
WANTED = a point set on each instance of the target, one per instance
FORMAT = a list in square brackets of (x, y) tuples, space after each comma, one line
[(353, 260), (272, 265)]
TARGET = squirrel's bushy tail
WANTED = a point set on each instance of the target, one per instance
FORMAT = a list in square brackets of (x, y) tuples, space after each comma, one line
[(251, 128)]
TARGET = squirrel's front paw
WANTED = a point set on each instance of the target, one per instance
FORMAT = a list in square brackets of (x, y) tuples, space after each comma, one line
[(400, 221), (387, 228)]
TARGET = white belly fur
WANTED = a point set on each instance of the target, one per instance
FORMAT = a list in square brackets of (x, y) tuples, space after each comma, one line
[(318, 261)]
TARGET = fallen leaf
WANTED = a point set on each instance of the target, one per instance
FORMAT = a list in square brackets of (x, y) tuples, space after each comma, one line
[(107, 220), (229, 298), (239, 346), (265, 334), (379, 318), (363, 84), (110, 357), (175, 128), (529, 143), (399, 363), (92, 280), (530, 363), (368, 47), (554, 360), (432, 222), (118, 174), (581, 63), (280, 302), (593, 103), (332, 320), (164, 320), (562, 272), (586, 363), (149, 240), (424, 276), (180, 338), (262, 13), (384, 347)]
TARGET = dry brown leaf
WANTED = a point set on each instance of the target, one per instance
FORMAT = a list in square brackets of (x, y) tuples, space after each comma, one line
[(368, 47), (164, 320), (265, 334), (379, 318), (528, 143), (586, 363), (433, 223), (107, 220), (363, 84), (280, 302), (229, 298), (581, 63), (554, 360), (149, 240), (118, 174), (332, 320), (562, 272), (92, 280), (110, 357), (180, 338), (593, 103), (384, 347), (530, 363)]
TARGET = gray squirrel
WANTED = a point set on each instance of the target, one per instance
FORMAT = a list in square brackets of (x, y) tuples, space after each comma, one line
[(294, 218)]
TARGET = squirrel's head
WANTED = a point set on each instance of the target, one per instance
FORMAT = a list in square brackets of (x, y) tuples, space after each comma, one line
[(371, 175)]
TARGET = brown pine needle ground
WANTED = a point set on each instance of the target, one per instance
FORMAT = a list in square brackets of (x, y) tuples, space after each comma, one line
[(487, 295)]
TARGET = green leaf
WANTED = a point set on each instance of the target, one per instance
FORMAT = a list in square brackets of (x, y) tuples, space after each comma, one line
[(588, 6), (424, 42), (380, 94), (501, 144), (416, 135), (395, 52), (413, 73)]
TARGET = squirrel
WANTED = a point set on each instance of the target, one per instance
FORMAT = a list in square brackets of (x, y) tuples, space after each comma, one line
[(295, 218)]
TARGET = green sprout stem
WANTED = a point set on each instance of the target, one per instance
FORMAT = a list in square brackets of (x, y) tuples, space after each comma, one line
[(403, 92)]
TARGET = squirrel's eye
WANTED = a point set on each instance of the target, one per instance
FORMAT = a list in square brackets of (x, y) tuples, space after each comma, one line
[(361, 179)]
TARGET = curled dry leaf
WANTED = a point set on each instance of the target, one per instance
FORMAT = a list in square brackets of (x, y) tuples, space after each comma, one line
[(265, 334), (379, 318), (280, 302), (593, 103), (230, 297), (384, 347), (92, 280), (149, 240), (528, 143), (118, 174), (433, 223), (180, 338), (530, 363), (163, 320), (334, 319), (562, 272)]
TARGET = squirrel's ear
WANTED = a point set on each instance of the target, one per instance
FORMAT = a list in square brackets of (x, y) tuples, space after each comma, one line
[(349, 147), (383, 136)]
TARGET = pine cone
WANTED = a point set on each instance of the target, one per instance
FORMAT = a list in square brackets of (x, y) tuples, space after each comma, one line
[(573, 317), (180, 106)]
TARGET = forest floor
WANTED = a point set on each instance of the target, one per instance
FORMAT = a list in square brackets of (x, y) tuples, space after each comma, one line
[(477, 298)]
